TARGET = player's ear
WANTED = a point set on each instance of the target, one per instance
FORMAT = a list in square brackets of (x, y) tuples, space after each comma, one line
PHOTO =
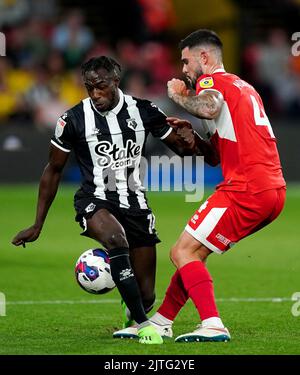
[(117, 81), (204, 57)]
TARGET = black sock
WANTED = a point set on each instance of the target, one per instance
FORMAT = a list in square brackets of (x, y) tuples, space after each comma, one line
[(126, 283), (148, 307)]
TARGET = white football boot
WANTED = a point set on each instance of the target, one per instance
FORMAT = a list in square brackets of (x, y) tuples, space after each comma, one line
[(127, 333), (202, 334), (165, 331)]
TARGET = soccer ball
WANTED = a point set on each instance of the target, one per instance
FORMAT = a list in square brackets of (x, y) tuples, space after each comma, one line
[(92, 272)]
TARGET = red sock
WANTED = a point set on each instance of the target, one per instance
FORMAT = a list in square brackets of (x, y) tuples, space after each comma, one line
[(198, 283), (175, 298)]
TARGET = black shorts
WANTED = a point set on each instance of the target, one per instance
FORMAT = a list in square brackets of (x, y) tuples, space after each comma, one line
[(139, 225)]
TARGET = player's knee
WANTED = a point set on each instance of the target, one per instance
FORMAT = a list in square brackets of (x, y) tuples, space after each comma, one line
[(181, 255), (116, 240), (176, 254)]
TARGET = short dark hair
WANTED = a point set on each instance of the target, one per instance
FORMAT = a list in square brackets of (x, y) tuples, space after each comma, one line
[(201, 37), (101, 62)]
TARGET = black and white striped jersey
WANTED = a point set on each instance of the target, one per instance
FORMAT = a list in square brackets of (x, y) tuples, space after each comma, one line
[(109, 147)]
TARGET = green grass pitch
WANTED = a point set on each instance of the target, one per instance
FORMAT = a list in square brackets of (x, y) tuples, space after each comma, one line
[(47, 312)]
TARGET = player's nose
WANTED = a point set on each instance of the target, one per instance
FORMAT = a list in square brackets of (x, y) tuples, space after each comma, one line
[(95, 94), (184, 70)]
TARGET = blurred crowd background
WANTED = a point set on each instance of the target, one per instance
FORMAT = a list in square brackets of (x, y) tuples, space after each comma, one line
[(47, 40)]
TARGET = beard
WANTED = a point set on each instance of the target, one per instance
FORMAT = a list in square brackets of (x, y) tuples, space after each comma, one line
[(191, 82)]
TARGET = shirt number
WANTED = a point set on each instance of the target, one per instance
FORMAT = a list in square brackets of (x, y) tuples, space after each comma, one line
[(260, 117), (151, 218)]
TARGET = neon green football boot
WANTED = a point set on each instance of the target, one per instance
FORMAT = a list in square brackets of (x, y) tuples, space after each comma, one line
[(148, 335), (126, 316)]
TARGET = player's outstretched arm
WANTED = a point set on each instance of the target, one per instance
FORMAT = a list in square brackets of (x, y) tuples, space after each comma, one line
[(206, 105), (181, 140), (185, 141), (47, 190)]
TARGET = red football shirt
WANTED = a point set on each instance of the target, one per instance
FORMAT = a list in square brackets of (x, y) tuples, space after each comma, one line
[(243, 136)]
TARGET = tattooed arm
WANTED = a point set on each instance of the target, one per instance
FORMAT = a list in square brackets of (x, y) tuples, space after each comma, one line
[(206, 105)]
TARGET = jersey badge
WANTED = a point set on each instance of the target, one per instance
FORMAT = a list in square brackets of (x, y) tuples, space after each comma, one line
[(96, 131), (59, 127), (206, 83), (131, 123)]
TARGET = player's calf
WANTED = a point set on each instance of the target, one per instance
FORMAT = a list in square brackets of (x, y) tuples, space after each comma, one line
[(126, 283)]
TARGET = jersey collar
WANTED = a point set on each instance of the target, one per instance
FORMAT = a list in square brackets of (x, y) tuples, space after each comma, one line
[(113, 111), (219, 70)]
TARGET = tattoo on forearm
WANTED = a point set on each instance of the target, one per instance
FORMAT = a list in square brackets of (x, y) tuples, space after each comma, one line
[(204, 106)]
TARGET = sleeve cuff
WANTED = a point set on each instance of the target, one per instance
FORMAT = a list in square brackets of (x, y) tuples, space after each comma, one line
[(60, 147), (166, 133), (210, 90)]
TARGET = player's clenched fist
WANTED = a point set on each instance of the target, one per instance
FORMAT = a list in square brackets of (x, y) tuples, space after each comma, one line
[(177, 87), (27, 235)]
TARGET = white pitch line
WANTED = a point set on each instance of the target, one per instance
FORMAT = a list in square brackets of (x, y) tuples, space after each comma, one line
[(253, 299), (112, 301), (63, 302)]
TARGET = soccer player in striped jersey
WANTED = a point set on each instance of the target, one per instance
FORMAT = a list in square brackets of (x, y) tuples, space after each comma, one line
[(107, 132)]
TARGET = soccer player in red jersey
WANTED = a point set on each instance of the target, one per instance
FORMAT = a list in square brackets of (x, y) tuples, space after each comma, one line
[(252, 194)]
